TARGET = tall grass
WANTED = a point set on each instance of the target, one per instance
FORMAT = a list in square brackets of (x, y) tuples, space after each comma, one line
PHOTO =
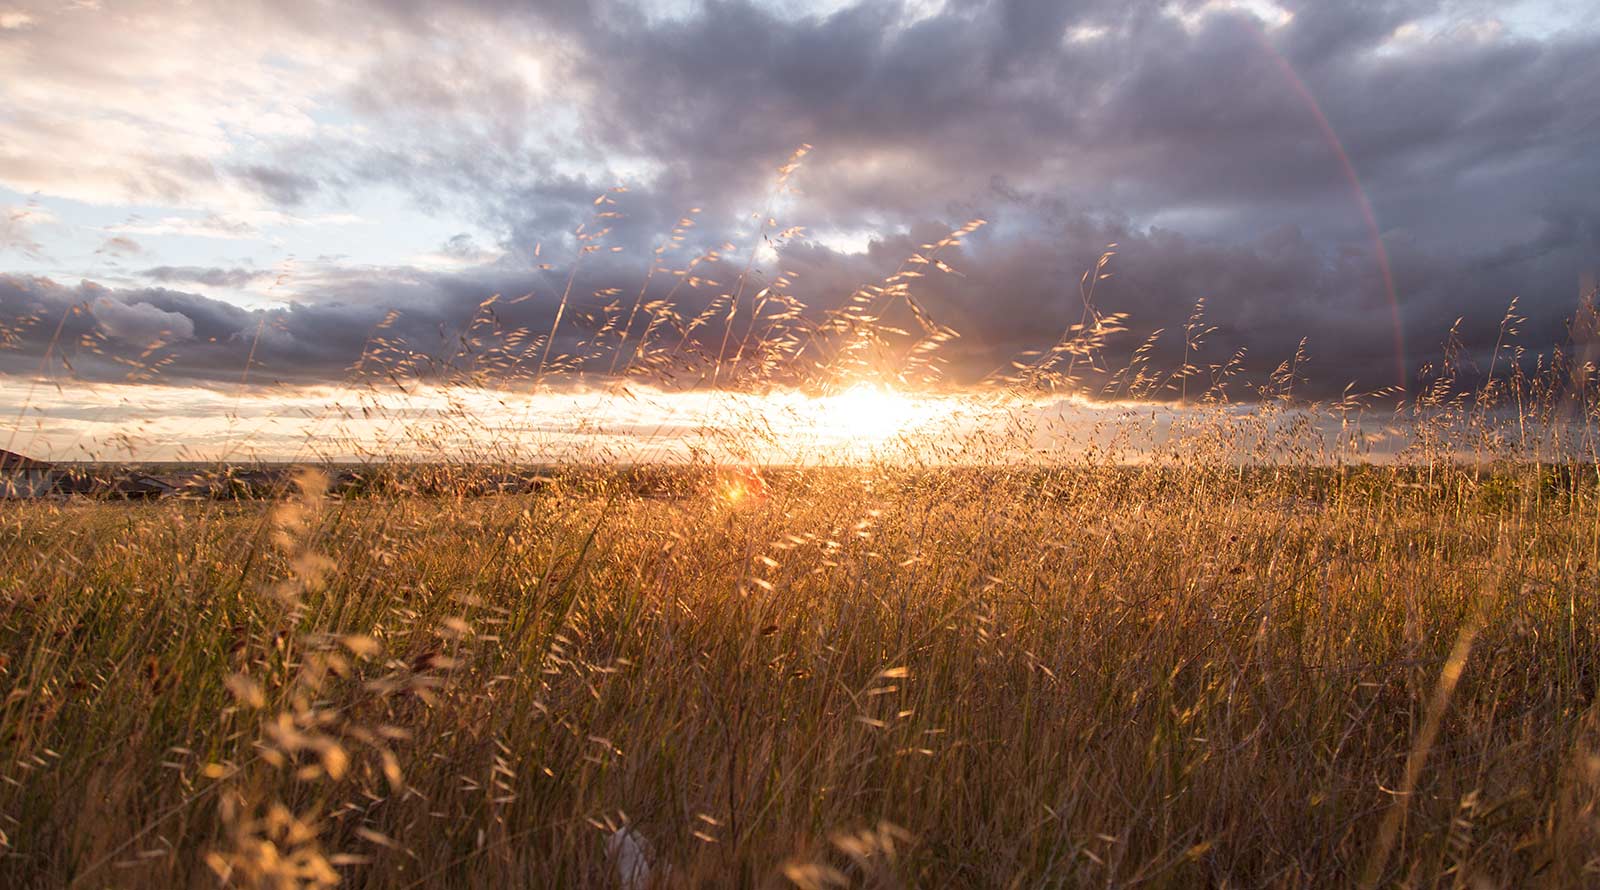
[(1235, 653), (1121, 677)]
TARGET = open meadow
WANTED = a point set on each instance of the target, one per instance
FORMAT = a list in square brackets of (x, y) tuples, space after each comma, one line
[(1152, 676), (819, 444)]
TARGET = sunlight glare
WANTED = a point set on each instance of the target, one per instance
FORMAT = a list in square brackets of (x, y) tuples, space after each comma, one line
[(867, 413)]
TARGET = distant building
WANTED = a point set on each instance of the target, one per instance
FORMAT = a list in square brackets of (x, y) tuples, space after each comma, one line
[(233, 484), (103, 484), (24, 477), (139, 487)]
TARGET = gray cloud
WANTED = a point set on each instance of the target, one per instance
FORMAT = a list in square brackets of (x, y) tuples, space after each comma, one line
[(209, 276), (140, 321), (1213, 151), (371, 323), (281, 186)]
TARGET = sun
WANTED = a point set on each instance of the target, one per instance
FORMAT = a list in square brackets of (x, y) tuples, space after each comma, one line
[(865, 420), (867, 413)]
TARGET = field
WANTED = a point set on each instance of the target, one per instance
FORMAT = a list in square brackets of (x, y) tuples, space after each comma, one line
[(1154, 676), (759, 597)]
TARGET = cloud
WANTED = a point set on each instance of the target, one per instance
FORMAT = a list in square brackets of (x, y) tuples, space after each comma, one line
[(248, 225), (461, 250), (1275, 158), (210, 276), (120, 246), (209, 226), (138, 321), (415, 324), (208, 338), (282, 187), (461, 247), (16, 230)]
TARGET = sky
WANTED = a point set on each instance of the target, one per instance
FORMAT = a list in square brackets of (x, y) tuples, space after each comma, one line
[(241, 194)]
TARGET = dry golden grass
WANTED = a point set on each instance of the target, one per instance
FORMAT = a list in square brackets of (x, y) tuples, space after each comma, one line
[(1120, 677)]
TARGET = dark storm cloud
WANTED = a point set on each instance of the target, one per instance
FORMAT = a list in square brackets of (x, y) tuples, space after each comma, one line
[(209, 337), (1199, 146), (434, 326), (102, 329), (1232, 157)]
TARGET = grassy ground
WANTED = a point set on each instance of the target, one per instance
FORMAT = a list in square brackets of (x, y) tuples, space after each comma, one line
[(1151, 677)]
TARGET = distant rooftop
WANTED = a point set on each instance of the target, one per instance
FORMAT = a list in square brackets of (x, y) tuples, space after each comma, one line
[(11, 461)]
